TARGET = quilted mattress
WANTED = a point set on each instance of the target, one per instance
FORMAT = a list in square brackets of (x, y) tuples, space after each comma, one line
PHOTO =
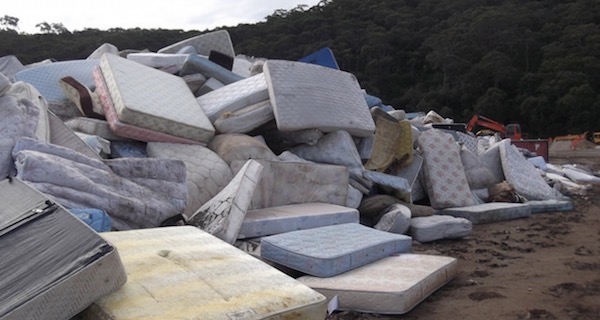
[(393, 285), (523, 175), (218, 41), (46, 77), (444, 173), (308, 96), (234, 97), (185, 273), (275, 220), (207, 173), (153, 99), (124, 129), (490, 212), (331, 250)]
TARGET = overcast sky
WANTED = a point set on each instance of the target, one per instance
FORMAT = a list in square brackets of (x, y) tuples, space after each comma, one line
[(169, 14)]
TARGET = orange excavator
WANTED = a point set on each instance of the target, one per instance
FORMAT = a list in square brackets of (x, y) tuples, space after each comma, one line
[(512, 131)]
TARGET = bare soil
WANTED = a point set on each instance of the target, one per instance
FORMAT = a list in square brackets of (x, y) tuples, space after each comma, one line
[(543, 267)]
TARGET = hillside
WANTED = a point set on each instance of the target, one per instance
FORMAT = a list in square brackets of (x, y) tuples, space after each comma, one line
[(532, 62)]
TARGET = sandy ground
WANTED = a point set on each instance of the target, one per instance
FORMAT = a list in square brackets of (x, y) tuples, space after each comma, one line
[(543, 267)]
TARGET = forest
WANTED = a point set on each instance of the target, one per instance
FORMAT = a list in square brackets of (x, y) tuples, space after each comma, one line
[(536, 63)]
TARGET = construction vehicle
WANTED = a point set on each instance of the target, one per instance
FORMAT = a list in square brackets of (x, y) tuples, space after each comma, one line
[(512, 131)]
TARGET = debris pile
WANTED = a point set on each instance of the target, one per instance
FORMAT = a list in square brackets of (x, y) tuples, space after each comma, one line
[(192, 155)]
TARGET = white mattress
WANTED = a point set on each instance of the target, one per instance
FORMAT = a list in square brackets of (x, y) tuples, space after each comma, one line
[(127, 130), (218, 41), (436, 227), (153, 99), (224, 214), (234, 96), (158, 60), (274, 220), (207, 173), (246, 119), (284, 183), (523, 175), (308, 96), (185, 273), (331, 250), (445, 179), (393, 285)]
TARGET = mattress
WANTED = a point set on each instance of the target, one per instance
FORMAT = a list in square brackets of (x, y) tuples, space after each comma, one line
[(284, 183), (550, 205), (323, 57), (209, 85), (153, 99), (46, 77), (467, 140), (426, 229), (333, 148), (57, 265), (393, 285), (444, 175), (224, 214), (281, 219), (207, 173), (388, 138), (63, 136), (491, 159), (396, 219), (10, 65), (523, 175), (234, 97), (102, 49), (127, 130), (405, 149), (237, 146), (22, 90), (331, 250), (246, 119), (158, 60), (185, 273), (92, 126), (490, 212), (197, 64), (308, 96), (218, 41), (86, 101)]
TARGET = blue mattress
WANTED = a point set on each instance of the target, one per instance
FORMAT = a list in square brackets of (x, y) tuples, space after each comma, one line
[(46, 77), (332, 250)]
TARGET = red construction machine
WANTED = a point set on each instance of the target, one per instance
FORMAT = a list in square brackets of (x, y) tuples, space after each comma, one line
[(512, 131)]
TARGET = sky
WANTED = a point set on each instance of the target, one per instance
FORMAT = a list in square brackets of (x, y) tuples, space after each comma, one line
[(76, 15)]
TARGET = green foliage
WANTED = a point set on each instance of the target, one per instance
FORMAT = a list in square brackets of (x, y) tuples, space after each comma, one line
[(532, 62)]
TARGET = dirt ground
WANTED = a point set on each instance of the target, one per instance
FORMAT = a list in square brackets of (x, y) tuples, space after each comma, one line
[(543, 267)]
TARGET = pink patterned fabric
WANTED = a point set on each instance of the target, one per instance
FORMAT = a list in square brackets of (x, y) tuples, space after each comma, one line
[(445, 177), (127, 130)]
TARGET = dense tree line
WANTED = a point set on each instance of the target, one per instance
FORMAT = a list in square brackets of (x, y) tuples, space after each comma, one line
[(532, 62)]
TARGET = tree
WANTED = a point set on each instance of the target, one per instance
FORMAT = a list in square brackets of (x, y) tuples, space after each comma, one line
[(53, 28), (9, 22)]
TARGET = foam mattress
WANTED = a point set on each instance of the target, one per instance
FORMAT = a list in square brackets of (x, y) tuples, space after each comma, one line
[(393, 285), (331, 250), (185, 273), (153, 99), (275, 220)]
